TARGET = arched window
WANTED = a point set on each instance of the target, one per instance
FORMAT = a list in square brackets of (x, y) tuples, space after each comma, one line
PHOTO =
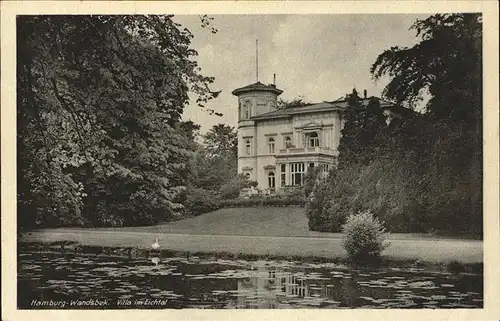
[(270, 143), (288, 142), (248, 147), (271, 180)]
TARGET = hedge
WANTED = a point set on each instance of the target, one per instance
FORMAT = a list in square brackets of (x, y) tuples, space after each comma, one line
[(262, 202)]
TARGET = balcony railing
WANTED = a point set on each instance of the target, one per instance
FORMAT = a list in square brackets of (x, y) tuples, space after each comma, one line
[(307, 150)]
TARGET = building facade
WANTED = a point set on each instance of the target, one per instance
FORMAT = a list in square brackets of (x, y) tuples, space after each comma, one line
[(277, 146)]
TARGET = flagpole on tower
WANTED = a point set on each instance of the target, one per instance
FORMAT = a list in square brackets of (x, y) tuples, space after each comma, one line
[(257, 59)]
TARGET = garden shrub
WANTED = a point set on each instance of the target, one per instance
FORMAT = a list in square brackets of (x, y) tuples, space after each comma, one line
[(262, 201), (199, 201), (231, 189), (364, 237), (311, 179), (332, 201), (383, 186), (291, 192)]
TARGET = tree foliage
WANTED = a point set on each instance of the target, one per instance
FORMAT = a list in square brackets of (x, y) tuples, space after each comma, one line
[(299, 101), (422, 172), (213, 169), (99, 105), (362, 131), (221, 140), (446, 64)]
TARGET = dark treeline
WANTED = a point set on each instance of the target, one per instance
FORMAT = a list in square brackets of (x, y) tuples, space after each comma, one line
[(423, 172), (100, 98)]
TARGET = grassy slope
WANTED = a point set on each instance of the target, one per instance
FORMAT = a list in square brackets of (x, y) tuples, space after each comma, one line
[(259, 231), (250, 221), (271, 221)]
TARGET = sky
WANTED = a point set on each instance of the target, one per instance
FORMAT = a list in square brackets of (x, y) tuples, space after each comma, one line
[(319, 57)]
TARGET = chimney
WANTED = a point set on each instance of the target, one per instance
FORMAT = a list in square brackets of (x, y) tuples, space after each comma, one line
[(274, 81), (365, 93)]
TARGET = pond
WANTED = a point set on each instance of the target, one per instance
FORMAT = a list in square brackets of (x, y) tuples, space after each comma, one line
[(70, 281)]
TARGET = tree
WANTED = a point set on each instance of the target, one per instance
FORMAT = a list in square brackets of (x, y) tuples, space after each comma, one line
[(446, 64), (215, 161), (221, 140), (423, 172), (361, 136), (190, 130), (99, 105), (296, 102)]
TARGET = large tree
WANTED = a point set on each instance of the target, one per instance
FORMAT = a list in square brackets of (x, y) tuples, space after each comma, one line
[(99, 102), (446, 65), (424, 172)]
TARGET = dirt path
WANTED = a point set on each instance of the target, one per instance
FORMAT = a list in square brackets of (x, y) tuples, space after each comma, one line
[(430, 250)]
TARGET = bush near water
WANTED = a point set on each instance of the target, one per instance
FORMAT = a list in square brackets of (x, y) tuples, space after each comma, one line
[(364, 237)]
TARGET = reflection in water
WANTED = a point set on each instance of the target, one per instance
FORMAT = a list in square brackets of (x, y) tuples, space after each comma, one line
[(265, 289), (202, 283), (271, 288)]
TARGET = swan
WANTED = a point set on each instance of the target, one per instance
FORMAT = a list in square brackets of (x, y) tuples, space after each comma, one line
[(155, 245), (155, 260)]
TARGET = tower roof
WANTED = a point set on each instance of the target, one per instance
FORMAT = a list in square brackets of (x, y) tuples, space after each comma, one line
[(258, 86)]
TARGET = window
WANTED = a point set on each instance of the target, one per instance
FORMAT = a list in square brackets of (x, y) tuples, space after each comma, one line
[(312, 139), (297, 172), (248, 147), (246, 109), (271, 180), (288, 142), (283, 175), (271, 145), (325, 168)]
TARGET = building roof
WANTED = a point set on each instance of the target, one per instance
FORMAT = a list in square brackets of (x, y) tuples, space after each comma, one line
[(258, 86), (339, 104)]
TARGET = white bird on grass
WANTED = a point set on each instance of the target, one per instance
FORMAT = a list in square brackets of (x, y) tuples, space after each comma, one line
[(155, 245)]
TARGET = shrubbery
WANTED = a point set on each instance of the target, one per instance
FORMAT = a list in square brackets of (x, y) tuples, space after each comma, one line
[(330, 203), (291, 192), (310, 180), (418, 172), (364, 237), (232, 189), (262, 201), (199, 201)]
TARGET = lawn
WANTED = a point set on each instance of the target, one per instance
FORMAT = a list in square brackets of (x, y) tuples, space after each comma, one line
[(261, 231), (249, 221), (264, 221)]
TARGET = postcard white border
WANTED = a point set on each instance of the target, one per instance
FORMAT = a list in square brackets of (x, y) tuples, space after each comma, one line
[(10, 9)]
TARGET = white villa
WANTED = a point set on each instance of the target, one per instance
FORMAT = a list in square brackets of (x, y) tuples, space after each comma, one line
[(276, 146)]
